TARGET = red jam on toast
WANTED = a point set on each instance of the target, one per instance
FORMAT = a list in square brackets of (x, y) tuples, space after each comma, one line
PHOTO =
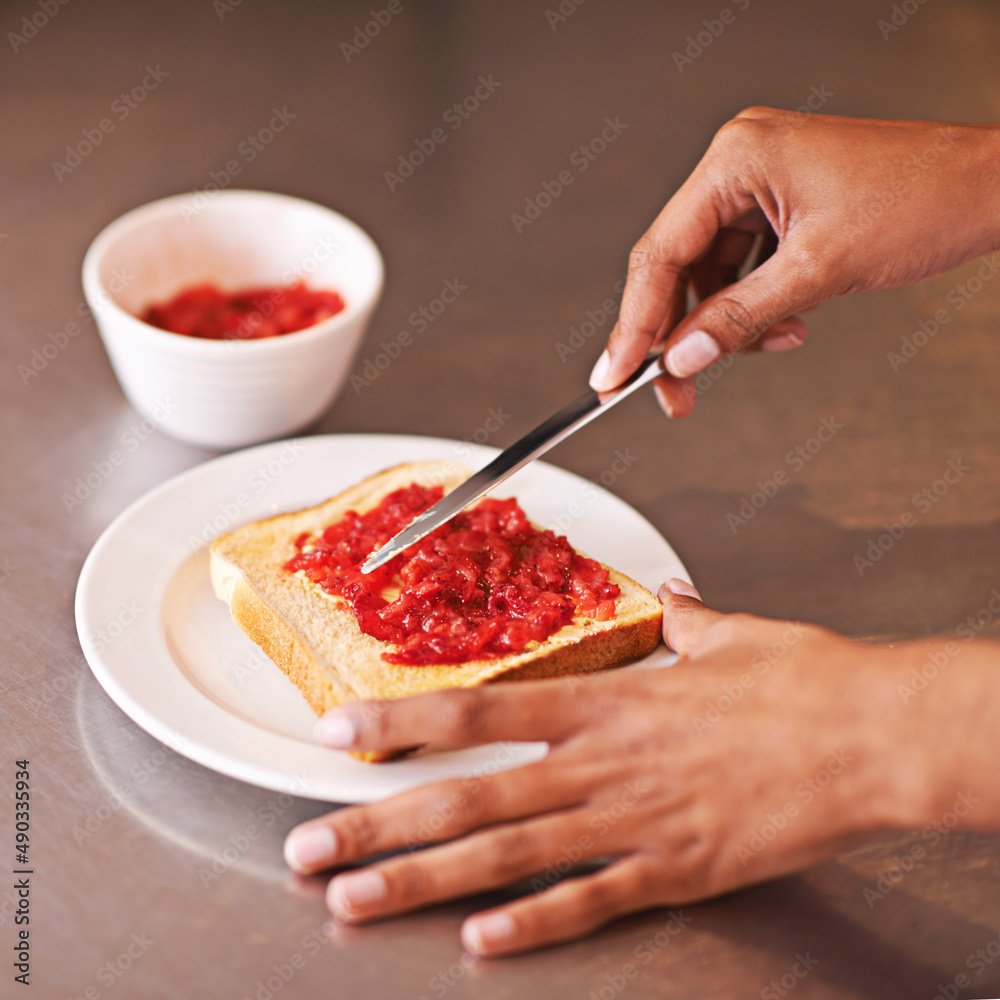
[(486, 584)]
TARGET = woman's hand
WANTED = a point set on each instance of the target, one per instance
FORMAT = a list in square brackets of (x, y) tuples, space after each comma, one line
[(763, 750), (840, 205)]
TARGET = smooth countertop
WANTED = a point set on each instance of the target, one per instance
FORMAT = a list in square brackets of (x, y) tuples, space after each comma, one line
[(129, 898)]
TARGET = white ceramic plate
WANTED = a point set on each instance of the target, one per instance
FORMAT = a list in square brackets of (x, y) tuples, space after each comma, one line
[(166, 651)]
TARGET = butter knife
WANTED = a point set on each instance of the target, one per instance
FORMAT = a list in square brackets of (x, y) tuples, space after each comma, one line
[(545, 436)]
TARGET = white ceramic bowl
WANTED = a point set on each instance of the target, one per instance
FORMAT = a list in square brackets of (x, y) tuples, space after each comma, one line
[(230, 393)]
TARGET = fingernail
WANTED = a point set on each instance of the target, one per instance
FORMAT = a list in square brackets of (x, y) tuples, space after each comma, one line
[(665, 402), (782, 342), (309, 846), (599, 376), (682, 588), (335, 730), (359, 890), (480, 934), (695, 352)]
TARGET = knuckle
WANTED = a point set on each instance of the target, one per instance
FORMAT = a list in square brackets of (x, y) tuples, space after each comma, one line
[(696, 856), (743, 621), (640, 258), (742, 325), (375, 719), (695, 864), (736, 133), (647, 260), (509, 853), (359, 830), (600, 895), (462, 713), (455, 810), (759, 111), (408, 882), (820, 274), (478, 803), (736, 627)]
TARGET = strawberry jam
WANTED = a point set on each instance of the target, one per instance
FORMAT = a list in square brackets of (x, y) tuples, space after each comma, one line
[(251, 314), (484, 585)]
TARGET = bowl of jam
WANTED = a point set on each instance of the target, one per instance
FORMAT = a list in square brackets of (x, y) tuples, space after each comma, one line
[(232, 318)]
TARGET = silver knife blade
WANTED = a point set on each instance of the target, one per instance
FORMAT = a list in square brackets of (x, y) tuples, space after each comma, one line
[(545, 436)]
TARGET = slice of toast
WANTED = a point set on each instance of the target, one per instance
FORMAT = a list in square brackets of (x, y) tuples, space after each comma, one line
[(314, 637)]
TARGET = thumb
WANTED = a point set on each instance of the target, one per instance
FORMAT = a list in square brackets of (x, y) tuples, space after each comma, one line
[(685, 618), (736, 317)]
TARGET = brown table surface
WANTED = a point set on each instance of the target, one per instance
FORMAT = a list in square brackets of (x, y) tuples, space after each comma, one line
[(135, 882)]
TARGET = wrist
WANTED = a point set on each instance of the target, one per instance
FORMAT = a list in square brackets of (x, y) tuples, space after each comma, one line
[(993, 173), (932, 744), (983, 190)]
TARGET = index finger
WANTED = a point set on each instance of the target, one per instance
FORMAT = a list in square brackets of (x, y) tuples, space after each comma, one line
[(682, 231), (551, 710)]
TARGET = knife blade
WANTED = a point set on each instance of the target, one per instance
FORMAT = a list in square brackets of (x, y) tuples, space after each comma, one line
[(545, 436)]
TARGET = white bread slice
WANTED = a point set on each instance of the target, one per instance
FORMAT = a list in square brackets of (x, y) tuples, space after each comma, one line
[(315, 638)]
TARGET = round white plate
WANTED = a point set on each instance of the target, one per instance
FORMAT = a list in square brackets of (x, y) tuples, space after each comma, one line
[(166, 651)]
